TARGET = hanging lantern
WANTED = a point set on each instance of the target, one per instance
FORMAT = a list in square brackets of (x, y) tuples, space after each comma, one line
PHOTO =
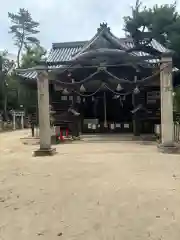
[(93, 98), (119, 87), (73, 81), (136, 90), (65, 91), (82, 88)]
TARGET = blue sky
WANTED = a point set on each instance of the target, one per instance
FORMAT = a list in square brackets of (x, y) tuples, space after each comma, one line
[(68, 20)]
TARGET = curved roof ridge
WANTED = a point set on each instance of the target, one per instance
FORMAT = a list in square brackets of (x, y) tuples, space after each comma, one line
[(66, 51), (88, 44)]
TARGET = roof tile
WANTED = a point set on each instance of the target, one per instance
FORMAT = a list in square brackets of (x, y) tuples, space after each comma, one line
[(66, 51)]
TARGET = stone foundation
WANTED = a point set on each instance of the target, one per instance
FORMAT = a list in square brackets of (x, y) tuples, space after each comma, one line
[(44, 152), (168, 148)]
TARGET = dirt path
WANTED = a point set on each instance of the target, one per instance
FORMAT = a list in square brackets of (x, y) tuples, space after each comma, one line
[(88, 191)]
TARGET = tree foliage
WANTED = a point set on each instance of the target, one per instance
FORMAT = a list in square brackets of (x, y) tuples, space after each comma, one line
[(23, 28), (7, 87), (32, 56), (13, 91), (159, 22), (6, 64)]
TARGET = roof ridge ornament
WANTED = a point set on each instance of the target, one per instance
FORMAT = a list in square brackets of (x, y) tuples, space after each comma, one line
[(103, 26)]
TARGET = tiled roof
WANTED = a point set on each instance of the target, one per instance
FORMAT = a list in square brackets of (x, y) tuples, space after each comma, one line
[(65, 51), (29, 75), (128, 43), (68, 50)]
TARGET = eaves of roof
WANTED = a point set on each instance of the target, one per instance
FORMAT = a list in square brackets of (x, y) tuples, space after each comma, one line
[(29, 75), (66, 51)]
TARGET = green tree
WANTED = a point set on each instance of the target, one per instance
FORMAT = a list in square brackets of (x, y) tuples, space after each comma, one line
[(23, 28), (32, 56), (5, 63), (6, 72), (159, 22)]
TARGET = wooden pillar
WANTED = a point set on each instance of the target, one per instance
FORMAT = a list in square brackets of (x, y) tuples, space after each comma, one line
[(136, 123), (135, 102), (105, 111), (44, 116), (76, 119), (82, 113), (166, 88)]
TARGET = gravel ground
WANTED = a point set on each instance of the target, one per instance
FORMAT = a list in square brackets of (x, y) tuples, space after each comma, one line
[(88, 191)]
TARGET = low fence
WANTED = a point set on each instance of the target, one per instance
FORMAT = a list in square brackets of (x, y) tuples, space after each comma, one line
[(10, 125), (14, 120)]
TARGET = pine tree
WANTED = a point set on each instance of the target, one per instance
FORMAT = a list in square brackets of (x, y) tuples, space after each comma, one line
[(23, 28)]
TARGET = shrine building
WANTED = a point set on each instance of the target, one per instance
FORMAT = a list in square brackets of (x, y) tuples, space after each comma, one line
[(114, 83)]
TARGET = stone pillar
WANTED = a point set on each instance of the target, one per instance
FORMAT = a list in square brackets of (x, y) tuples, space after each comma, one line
[(166, 89), (22, 121), (14, 120), (44, 116)]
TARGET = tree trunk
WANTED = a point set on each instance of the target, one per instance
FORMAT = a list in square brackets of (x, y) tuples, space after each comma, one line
[(18, 56), (19, 50)]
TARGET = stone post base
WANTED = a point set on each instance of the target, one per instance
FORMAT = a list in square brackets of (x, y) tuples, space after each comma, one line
[(168, 148), (44, 152)]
